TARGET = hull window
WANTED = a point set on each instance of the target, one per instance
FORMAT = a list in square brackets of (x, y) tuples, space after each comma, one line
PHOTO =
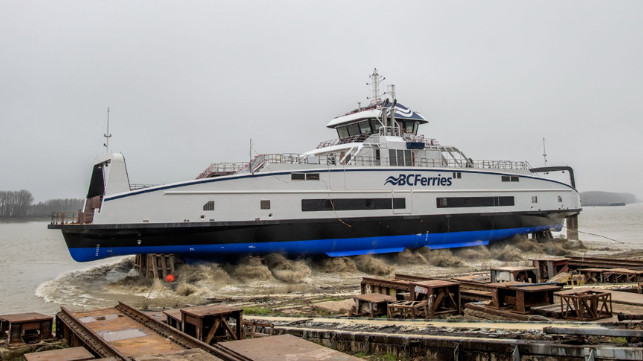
[(506, 178), (312, 176), (462, 202), (265, 204), (297, 176), (209, 206), (352, 204)]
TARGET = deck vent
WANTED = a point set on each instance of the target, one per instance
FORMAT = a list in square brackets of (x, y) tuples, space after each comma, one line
[(209, 206), (265, 204)]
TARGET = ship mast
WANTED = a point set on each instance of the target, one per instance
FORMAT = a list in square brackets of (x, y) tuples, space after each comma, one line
[(544, 152), (376, 79), (107, 135)]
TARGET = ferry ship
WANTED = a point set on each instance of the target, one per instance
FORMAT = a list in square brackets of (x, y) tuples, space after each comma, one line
[(379, 187)]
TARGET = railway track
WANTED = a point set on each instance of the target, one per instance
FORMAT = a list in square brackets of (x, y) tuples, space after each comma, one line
[(176, 336), (92, 340), (77, 332)]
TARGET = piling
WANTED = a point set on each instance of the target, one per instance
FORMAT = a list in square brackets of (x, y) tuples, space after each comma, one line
[(572, 227)]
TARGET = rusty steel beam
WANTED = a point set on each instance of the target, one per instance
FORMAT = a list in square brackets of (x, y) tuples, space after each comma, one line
[(92, 340), (603, 262), (407, 277), (177, 336), (378, 282)]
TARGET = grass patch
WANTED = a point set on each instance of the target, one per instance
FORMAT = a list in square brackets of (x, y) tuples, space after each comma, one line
[(260, 311), (616, 340)]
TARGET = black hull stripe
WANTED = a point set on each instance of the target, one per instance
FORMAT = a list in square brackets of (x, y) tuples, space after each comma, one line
[(300, 230)]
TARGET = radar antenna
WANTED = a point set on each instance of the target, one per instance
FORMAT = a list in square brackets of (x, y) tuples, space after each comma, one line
[(376, 79), (107, 135)]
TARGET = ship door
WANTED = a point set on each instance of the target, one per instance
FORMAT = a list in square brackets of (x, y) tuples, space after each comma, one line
[(407, 203), (94, 199)]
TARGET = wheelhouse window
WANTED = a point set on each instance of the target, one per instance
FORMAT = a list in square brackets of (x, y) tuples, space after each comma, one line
[(353, 129), (342, 132), (410, 127), (375, 125), (365, 127)]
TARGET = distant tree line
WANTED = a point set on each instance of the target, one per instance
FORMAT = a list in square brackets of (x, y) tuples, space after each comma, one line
[(596, 198), (17, 204)]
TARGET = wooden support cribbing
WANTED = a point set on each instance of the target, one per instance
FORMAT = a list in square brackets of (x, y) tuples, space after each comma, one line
[(572, 227), (154, 265)]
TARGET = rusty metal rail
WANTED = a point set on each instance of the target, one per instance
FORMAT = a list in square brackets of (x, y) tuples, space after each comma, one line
[(177, 336), (604, 262), (96, 343)]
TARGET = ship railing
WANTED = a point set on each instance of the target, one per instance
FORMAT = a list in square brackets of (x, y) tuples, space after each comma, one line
[(352, 139), (135, 186), (64, 218), (224, 168), (262, 160), (375, 139), (419, 138), (418, 162), (331, 159)]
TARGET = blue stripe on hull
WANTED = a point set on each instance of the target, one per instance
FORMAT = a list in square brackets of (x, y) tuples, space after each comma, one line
[(328, 246)]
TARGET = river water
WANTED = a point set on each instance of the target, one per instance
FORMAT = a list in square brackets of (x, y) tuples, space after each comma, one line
[(39, 275)]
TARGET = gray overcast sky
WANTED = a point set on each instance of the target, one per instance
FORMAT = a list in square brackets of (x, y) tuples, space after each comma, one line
[(190, 82)]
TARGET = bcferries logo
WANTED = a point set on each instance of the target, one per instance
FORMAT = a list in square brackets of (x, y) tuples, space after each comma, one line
[(418, 180)]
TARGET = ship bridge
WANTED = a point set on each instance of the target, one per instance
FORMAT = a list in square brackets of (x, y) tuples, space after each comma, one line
[(362, 122)]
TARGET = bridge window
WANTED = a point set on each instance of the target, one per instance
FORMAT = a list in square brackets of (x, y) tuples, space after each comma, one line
[(353, 129), (342, 132), (365, 127), (410, 127), (351, 204), (375, 124), (209, 206)]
